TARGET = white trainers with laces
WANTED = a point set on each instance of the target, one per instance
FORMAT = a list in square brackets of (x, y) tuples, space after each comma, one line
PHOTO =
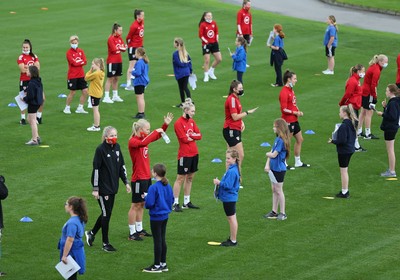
[(81, 111), (93, 128), (206, 78), (116, 98), (211, 74), (328, 72), (67, 111), (107, 100)]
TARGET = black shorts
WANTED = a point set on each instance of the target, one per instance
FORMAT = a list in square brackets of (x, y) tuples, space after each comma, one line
[(138, 188), (188, 165), (232, 136), (247, 38), (366, 100), (389, 135), (294, 127), (139, 89), (344, 160), (131, 53), (327, 51), (32, 109), (23, 85), (229, 208), (77, 84), (210, 48), (94, 101), (279, 175), (114, 70)]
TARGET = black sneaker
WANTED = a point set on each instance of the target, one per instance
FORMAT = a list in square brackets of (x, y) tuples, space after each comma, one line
[(139, 116), (89, 238), (144, 233), (361, 135), (190, 205), (289, 167), (22, 121), (109, 248), (39, 120), (361, 149), (370, 136), (152, 269), (228, 243), (179, 105), (341, 195), (164, 268), (271, 215), (176, 207), (135, 236)]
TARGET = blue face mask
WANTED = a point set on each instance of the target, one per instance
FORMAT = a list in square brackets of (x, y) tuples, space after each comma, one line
[(74, 46)]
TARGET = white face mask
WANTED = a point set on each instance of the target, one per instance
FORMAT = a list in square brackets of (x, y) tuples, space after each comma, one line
[(291, 84), (26, 52), (74, 46), (361, 75), (209, 20), (385, 65)]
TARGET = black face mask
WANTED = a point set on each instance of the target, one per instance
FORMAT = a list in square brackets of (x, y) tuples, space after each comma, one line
[(187, 116), (241, 92)]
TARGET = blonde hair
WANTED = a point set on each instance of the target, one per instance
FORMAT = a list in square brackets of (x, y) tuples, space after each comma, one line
[(348, 109), (183, 54), (377, 58), (99, 62), (333, 20), (137, 126), (73, 37), (142, 52), (107, 131), (187, 104), (235, 155), (282, 131)]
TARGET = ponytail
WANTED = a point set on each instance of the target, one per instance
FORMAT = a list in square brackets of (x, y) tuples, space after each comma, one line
[(161, 170)]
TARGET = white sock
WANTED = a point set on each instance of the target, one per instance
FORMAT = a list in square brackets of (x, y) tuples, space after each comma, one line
[(356, 144), (80, 106), (367, 131), (22, 116), (205, 74), (211, 70), (344, 191), (359, 131), (163, 264), (132, 229), (106, 94), (297, 160), (67, 107), (39, 114), (176, 200), (139, 226), (128, 83), (233, 241), (186, 199), (115, 92)]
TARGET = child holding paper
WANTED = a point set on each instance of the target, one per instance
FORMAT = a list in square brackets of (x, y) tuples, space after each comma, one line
[(276, 168), (72, 232)]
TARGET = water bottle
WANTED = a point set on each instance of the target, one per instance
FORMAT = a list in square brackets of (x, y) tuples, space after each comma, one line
[(165, 137)]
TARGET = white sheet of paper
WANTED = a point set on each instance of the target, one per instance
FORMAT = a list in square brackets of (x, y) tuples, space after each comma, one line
[(21, 104), (66, 270), (271, 38), (192, 81), (272, 177)]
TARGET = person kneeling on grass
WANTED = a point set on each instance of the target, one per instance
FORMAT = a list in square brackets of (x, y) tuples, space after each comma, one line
[(159, 201), (228, 193)]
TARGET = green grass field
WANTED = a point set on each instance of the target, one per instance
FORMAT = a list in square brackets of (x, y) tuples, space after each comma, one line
[(392, 5), (356, 238)]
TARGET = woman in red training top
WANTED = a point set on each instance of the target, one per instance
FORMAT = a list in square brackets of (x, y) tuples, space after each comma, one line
[(353, 95), (245, 22), (234, 125), (114, 64), (26, 59), (208, 34), (134, 39), (187, 133), (141, 175), (291, 114), (369, 94)]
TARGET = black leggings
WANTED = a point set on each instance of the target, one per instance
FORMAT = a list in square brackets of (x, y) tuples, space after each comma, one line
[(158, 229), (183, 88), (103, 221)]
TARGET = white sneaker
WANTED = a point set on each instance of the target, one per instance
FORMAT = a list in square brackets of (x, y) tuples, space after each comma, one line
[(67, 111), (93, 128), (129, 88), (206, 78), (211, 74), (107, 100), (247, 66), (80, 111), (328, 72), (116, 98)]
